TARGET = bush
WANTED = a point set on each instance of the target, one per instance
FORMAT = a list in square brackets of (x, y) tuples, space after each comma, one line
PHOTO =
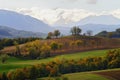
[(45, 51), (3, 58), (54, 46)]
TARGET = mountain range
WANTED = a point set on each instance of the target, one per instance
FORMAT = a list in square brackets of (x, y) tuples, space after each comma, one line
[(6, 32), (102, 19), (18, 21), (96, 23), (96, 28), (22, 22)]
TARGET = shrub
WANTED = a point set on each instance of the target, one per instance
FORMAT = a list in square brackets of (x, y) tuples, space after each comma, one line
[(45, 50), (54, 46), (3, 58)]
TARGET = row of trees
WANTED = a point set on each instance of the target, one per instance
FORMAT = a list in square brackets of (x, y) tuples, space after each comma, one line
[(58, 67), (10, 42), (75, 31)]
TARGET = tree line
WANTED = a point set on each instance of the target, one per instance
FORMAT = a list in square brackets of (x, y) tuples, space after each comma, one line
[(10, 42), (75, 31), (59, 67)]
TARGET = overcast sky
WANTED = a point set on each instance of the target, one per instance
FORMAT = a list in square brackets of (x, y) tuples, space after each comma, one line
[(52, 10), (94, 5)]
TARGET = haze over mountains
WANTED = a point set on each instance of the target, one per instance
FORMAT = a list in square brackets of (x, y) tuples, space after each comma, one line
[(22, 22), (27, 23), (6, 32), (103, 19)]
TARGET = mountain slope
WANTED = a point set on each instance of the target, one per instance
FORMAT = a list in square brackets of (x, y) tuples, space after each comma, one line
[(28, 23), (22, 22), (6, 32), (103, 19), (96, 28)]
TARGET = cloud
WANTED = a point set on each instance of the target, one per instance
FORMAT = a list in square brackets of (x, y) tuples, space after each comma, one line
[(65, 16), (72, 0), (116, 13), (69, 1), (92, 1), (51, 16)]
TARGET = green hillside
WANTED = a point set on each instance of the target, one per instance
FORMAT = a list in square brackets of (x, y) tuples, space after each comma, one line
[(114, 34), (13, 63)]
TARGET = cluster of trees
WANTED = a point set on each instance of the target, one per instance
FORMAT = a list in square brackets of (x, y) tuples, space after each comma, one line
[(10, 42), (54, 34), (114, 34), (38, 49), (58, 67), (76, 30)]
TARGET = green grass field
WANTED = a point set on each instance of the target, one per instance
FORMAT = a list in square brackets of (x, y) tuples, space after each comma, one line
[(86, 75), (89, 75), (81, 76), (13, 63)]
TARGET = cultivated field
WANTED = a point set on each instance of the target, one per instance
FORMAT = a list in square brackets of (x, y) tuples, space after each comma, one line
[(110, 74), (113, 75)]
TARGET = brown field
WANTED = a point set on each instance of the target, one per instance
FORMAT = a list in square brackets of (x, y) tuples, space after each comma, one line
[(89, 43), (113, 75)]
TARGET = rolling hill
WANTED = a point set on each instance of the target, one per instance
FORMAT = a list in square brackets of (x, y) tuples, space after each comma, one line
[(6, 32), (113, 34)]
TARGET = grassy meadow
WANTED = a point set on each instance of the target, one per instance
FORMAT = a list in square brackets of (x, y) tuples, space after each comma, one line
[(13, 63)]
